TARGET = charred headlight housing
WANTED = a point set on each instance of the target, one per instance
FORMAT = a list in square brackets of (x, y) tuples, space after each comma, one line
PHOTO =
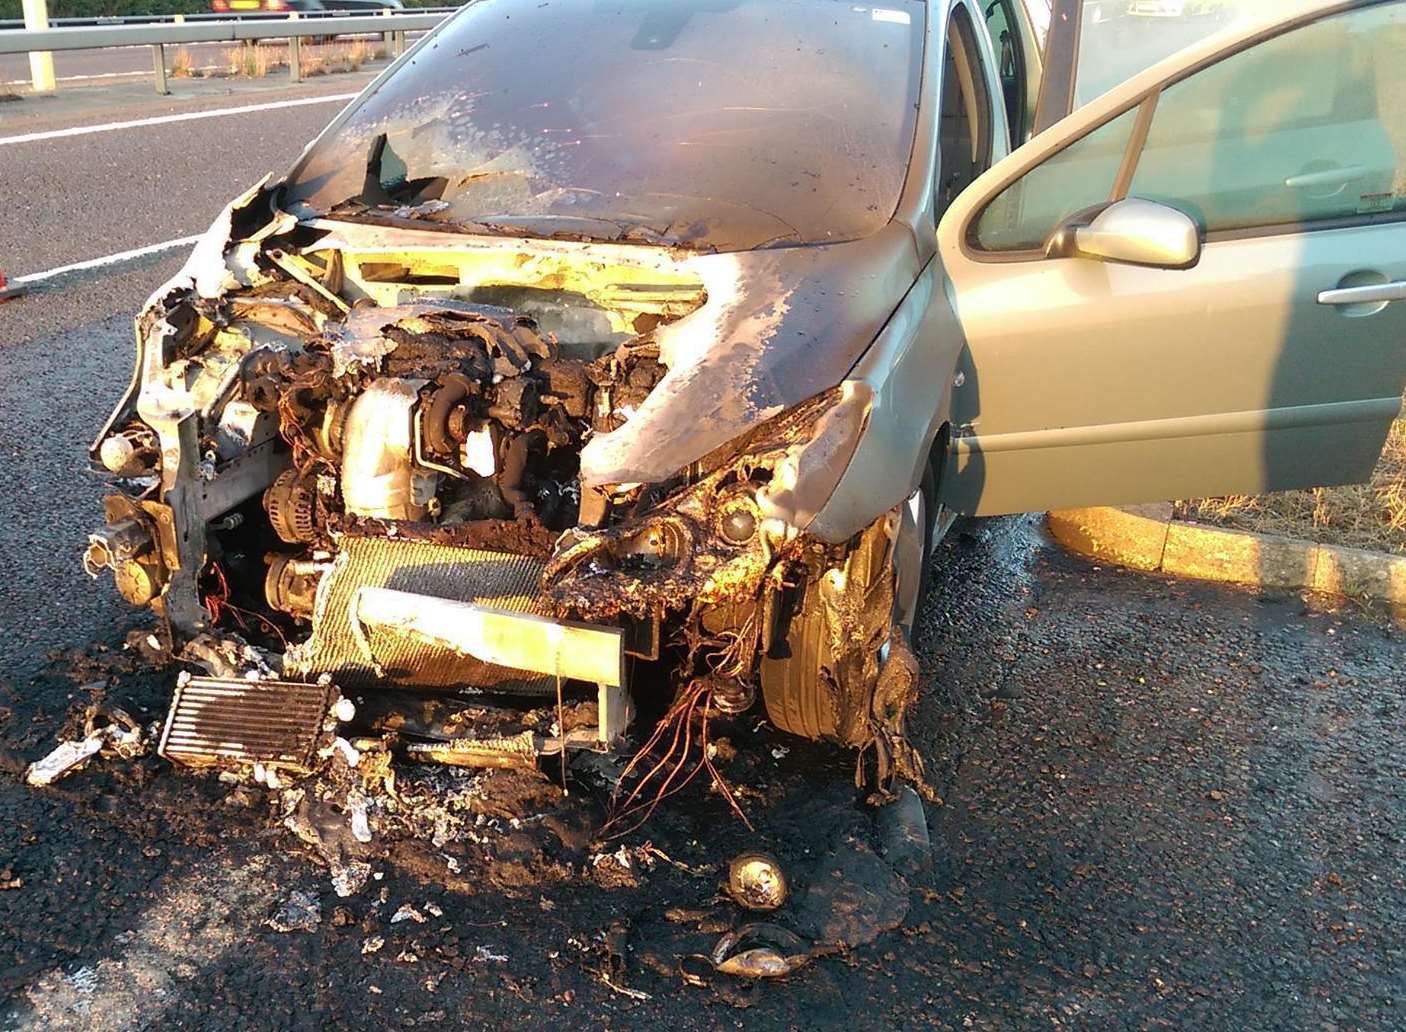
[(711, 532), (810, 469), (775, 479)]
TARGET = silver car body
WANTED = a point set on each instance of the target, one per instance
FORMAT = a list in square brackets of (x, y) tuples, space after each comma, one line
[(1045, 320)]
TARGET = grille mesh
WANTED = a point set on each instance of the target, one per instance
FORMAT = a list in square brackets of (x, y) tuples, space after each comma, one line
[(496, 579), (215, 720)]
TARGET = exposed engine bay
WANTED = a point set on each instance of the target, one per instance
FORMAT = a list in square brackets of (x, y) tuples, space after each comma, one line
[(364, 464)]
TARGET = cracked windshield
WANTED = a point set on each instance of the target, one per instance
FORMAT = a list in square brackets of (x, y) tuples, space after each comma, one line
[(742, 124)]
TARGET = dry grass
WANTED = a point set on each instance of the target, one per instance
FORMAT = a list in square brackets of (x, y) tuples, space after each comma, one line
[(248, 62), (1369, 515), (182, 64), (256, 62), (340, 57)]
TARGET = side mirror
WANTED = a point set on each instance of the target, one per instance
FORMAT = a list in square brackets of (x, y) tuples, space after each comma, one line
[(1131, 231)]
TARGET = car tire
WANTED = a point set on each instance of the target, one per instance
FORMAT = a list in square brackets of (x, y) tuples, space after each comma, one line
[(795, 700), (927, 491), (794, 691)]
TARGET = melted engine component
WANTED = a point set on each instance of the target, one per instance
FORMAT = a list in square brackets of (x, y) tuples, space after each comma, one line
[(461, 412), (291, 504)]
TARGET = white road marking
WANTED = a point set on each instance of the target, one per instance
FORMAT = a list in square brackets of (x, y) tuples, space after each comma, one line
[(97, 263), (75, 78), (189, 116), (107, 75)]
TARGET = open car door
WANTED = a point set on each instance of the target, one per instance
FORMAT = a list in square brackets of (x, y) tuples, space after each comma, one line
[(1195, 284)]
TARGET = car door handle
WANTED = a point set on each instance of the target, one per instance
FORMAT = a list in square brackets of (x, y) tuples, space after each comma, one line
[(1376, 292), (1327, 177)]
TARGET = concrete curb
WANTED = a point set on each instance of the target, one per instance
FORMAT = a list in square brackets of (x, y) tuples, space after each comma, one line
[(1145, 537)]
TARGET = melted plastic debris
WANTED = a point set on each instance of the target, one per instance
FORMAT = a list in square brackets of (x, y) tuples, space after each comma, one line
[(348, 879), (853, 898), (903, 833), (756, 881), (760, 950), (231, 656), (511, 831), (65, 759), (109, 731), (300, 912)]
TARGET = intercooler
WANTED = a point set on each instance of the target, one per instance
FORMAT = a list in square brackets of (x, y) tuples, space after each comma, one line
[(222, 720), (357, 655)]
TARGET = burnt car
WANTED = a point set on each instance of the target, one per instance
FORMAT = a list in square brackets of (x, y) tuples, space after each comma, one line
[(641, 350)]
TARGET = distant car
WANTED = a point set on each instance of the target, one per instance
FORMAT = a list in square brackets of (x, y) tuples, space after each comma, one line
[(1157, 8), (1187, 9), (645, 349), (254, 6)]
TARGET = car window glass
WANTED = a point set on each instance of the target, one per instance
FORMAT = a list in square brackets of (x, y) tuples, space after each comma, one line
[(1024, 214), (1009, 63), (964, 133), (1119, 38), (1306, 126)]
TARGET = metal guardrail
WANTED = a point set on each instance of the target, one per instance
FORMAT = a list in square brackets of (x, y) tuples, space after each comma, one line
[(294, 28), (169, 19), (222, 31)]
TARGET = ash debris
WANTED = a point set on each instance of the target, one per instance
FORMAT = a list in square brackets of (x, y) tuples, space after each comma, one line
[(361, 810)]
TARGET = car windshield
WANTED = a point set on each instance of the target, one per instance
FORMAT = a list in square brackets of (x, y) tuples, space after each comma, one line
[(711, 124), (1119, 38)]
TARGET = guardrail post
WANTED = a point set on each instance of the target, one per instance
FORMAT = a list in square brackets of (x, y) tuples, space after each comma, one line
[(41, 63), (158, 65), (398, 42), (295, 53), (388, 37)]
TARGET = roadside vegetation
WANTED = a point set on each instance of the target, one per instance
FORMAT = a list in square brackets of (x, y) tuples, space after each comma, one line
[(105, 8), (1365, 516), (340, 57), (256, 62)]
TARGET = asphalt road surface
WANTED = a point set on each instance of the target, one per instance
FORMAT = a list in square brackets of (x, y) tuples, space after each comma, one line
[(86, 196), (1165, 805)]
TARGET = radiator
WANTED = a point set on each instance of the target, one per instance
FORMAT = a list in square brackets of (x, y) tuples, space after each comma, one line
[(345, 650)]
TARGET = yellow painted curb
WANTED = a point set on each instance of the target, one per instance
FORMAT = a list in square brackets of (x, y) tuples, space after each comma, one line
[(1357, 573), (1134, 536), (1147, 538), (1214, 553)]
